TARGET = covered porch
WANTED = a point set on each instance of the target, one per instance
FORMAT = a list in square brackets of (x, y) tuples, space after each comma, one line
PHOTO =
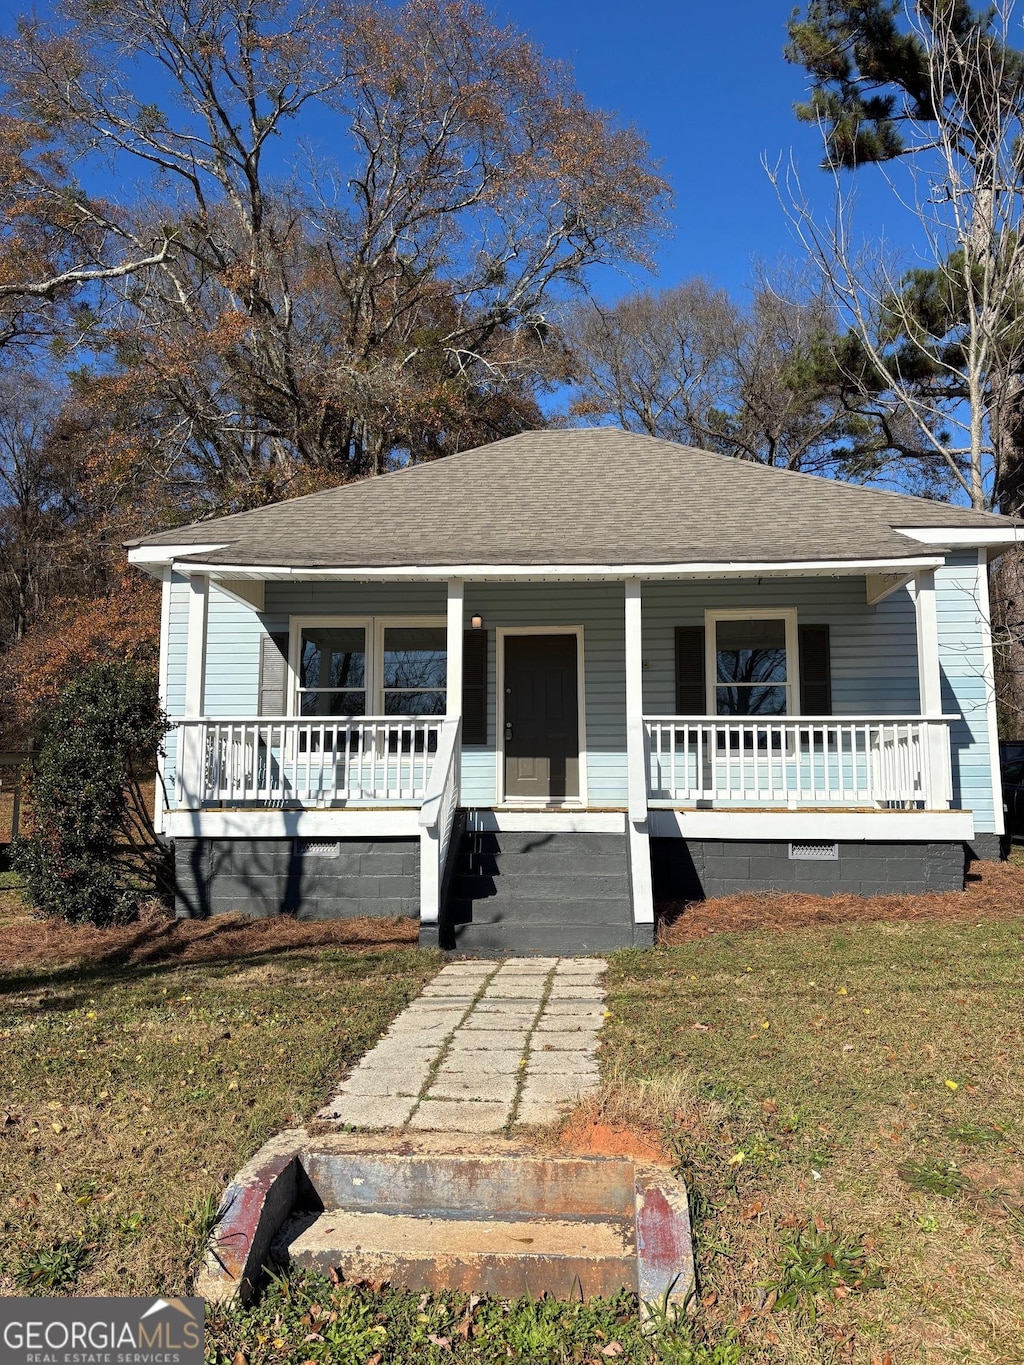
[(721, 766)]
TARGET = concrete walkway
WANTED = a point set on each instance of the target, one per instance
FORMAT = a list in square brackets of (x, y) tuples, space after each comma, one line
[(485, 1046)]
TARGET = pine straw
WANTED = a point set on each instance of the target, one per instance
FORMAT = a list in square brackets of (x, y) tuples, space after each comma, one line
[(27, 942), (994, 891)]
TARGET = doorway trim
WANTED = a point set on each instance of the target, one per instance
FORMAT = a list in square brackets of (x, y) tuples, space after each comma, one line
[(499, 746)]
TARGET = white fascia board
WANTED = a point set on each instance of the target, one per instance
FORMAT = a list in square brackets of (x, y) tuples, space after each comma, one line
[(569, 572), (293, 824), (159, 556), (964, 537), (846, 826)]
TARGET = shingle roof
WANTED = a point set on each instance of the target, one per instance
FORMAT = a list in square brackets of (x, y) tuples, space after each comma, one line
[(596, 496)]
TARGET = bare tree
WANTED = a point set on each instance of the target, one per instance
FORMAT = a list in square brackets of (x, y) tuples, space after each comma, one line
[(395, 308), (689, 364)]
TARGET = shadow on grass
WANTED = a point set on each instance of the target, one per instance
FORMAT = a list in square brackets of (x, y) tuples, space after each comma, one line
[(155, 948)]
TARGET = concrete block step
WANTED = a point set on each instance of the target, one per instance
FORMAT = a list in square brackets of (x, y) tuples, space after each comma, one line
[(503, 1256), (511, 936), (533, 885), (528, 912), (542, 860), (534, 842)]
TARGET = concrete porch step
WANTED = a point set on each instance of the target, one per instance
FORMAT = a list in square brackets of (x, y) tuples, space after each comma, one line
[(502, 1255), (532, 884)]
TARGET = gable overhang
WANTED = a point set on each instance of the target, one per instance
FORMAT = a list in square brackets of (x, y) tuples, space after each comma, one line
[(238, 574), (995, 540)]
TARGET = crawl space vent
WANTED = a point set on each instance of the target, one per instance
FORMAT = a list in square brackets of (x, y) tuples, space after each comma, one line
[(815, 853), (317, 848)]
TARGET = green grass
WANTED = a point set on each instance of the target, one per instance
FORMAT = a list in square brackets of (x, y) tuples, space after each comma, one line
[(309, 1319), (831, 1094), (131, 1095)]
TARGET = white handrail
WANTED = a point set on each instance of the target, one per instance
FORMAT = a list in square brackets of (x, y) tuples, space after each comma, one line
[(437, 819), (888, 761)]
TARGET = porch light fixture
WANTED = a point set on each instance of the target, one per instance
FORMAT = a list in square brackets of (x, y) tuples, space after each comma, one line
[(477, 621)]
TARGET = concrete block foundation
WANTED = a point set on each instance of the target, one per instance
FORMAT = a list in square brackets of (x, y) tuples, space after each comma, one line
[(696, 869), (311, 879)]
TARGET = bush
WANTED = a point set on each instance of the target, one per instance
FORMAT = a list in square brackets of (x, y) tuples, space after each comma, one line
[(92, 854)]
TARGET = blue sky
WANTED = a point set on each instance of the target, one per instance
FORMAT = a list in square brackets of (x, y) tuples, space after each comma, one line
[(709, 86)]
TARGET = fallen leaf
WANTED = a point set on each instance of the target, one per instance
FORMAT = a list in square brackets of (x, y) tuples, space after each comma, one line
[(769, 1107), (445, 1343), (612, 1349), (751, 1210), (745, 1314)]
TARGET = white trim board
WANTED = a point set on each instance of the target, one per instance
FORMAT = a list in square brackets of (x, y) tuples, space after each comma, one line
[(501, 633), (846, 826), (486, 573), (293, 824), (963, 537)]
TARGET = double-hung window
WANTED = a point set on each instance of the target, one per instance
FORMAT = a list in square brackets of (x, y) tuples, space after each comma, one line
[(752, 662)]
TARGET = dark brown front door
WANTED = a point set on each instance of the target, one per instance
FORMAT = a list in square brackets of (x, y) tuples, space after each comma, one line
[(542, 746)]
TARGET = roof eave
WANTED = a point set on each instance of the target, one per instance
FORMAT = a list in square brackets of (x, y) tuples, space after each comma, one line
[(588, 572)]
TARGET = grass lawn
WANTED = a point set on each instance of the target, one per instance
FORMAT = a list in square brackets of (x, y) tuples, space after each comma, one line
[(846, 1100), (133, 1090), (848, 1106)]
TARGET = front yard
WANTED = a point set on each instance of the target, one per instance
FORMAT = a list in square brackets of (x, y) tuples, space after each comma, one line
[(848, 1105), (132, 1091), (845, 1100)]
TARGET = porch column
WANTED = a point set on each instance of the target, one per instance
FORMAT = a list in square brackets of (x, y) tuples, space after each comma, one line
[(636, 763), (938, 775), (191, 743), (453, 704)]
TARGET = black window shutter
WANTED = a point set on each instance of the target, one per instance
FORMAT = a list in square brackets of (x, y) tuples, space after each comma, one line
[(691, 693), (815, 671), (474, 687), (273, 674)]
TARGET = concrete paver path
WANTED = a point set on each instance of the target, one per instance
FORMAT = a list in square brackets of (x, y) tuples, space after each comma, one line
[(485, 1045)]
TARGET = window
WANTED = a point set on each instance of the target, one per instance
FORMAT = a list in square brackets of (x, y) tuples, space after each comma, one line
[(751, 663), (415, 666), (370, 666), (332, 671)]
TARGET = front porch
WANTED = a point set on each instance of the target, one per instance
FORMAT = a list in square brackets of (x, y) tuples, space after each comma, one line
[(286, 784)]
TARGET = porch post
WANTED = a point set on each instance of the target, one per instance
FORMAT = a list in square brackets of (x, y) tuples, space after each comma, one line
[(938, 774), (636, 768), (191, 743), (453, 704)]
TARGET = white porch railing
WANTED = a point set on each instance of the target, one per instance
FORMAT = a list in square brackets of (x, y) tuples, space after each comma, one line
[(281, 761), (437, 819), (890, 761)]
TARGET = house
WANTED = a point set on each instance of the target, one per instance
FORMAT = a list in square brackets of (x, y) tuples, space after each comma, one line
[(522, 691)]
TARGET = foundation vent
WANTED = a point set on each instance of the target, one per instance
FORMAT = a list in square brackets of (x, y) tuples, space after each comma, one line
[(815, 853), (317, 848)]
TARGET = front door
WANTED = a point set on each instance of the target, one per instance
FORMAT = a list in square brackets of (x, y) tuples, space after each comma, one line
[(542, 743)]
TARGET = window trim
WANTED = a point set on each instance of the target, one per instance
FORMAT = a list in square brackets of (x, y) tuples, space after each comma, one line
[(374, 626), (788, 615)]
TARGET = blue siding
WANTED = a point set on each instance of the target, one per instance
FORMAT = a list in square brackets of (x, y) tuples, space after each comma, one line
[(874, 654), (965, 689), (874, 649)]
